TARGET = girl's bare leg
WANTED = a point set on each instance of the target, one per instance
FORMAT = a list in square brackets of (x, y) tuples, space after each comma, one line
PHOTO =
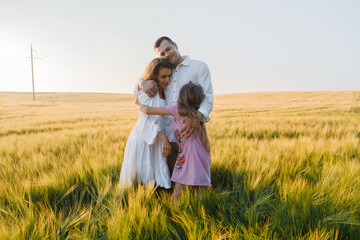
[(177, 191)]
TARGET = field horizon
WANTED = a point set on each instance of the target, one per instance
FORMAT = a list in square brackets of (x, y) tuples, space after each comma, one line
[(217, 94), (285, 165)]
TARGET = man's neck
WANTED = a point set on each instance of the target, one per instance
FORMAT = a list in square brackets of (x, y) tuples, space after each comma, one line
[(181, 59)]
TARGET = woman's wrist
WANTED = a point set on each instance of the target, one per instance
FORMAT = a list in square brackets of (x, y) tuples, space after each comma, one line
[(161, 135)]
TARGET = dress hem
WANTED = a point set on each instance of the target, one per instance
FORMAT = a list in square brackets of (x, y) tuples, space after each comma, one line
[(204, 185)]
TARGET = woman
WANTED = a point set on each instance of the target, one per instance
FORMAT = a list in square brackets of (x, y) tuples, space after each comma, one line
[(147, 146)]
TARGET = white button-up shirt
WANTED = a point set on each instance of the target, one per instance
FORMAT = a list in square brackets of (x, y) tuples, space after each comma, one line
[(197, 72)]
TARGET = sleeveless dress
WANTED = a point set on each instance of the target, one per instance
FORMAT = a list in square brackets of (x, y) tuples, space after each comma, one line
[(142, 157), (192, 166)]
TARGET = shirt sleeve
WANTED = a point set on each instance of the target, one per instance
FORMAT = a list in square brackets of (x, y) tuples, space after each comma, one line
[(136, 90), (149, 125), (207, 104)]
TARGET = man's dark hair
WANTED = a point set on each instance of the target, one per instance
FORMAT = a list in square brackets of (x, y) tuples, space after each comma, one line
[(160, 39)]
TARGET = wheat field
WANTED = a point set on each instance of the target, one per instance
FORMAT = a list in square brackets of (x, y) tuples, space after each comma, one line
[(284, 166)]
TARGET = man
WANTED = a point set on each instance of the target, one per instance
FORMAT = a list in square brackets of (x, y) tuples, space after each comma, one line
[(184, 71)]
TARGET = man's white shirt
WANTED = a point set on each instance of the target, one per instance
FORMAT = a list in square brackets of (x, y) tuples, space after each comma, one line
[(189, 70)]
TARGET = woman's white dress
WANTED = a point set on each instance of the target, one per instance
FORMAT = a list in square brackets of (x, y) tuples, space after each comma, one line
[(142, 158)]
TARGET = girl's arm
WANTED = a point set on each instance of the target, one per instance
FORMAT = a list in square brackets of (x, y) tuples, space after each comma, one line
[(151, 110)]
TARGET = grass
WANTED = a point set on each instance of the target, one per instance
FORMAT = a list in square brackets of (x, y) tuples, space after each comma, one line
[(284, 166)]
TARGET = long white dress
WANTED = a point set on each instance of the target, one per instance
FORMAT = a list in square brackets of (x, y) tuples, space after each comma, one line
[(142, 158)]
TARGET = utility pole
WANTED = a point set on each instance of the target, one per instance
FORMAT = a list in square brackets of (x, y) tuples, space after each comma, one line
[(32, 70)]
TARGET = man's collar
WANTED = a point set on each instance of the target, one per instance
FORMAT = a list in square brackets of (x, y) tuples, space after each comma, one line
[(186, 61)]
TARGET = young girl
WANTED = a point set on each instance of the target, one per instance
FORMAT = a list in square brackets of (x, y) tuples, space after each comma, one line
[(192, 167), (147, 146)]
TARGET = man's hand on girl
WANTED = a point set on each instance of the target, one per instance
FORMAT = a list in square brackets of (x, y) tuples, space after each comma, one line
[(192, 125)]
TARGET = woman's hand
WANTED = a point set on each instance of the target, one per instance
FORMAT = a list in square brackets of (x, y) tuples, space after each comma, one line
[(165, 145)]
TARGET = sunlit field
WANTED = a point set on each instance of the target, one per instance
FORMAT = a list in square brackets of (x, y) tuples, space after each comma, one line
[(284, 166)]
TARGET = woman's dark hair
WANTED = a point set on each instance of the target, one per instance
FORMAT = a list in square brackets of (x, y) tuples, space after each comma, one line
[(190, 97), (152, 70)]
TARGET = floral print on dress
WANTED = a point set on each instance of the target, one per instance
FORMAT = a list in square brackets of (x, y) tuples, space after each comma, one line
[(180, 160), (178, 136)]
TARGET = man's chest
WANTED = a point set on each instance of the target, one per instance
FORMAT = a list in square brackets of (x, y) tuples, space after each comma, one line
[(184, 75)]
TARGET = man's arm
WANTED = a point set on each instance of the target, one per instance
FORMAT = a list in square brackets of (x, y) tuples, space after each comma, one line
[(207, 104), (192, 124), (149, 87)]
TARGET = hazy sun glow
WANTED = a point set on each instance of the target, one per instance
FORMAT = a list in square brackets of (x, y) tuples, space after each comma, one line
[(249, 45)]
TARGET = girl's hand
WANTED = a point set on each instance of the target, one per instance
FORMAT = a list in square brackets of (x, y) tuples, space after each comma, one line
[(142, 108), (165, 145)]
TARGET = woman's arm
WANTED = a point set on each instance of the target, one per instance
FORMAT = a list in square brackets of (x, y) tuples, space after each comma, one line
[(151, 110), (165, 145)]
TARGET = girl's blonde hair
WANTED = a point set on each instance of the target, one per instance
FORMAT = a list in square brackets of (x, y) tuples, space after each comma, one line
[(190, 97)]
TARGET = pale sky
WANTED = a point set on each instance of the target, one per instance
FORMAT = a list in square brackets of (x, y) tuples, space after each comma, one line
[(249, 45)]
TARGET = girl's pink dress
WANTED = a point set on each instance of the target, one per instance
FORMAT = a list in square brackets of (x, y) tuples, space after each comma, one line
[(192, 166)]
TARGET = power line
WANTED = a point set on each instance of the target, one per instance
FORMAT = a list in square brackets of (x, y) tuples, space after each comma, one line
[(143, 35), (119, 32)]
